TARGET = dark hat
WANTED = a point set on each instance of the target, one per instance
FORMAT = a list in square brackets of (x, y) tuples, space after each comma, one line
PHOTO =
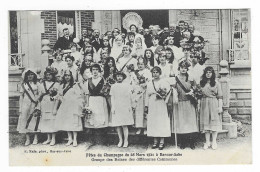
[(184, 63), (51, 70), (120, 73)]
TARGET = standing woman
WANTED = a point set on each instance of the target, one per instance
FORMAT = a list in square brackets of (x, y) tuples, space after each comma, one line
[(72, 66), (184, 111), (68, 116), (109, 72), (172, 60), (143, 76), (158, 121), (29, 95), (210, 107), (49, 89), (121, 110), (96, 100)]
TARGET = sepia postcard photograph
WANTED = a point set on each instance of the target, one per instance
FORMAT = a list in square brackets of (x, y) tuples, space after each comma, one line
[(129, 87)]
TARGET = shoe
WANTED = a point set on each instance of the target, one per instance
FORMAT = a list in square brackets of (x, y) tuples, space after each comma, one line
[(206, 146), (52, 143), (120, 144), (192, 146), (75, 144), (138, 131), (35, 141), (125, 145), (214, 145), (69, 143), (161, 146), (155, 145), (27, 143), (46, 142), (145, 132)]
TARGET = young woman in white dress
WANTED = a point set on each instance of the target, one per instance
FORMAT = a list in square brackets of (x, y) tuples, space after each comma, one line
[(47, 122), (158, 120), (29, 95), (69, 113), (121, 110)]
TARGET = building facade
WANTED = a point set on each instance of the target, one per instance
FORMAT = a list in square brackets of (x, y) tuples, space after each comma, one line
[(228, 33)]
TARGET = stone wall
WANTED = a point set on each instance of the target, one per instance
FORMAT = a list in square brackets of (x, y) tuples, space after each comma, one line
[(240, 104)]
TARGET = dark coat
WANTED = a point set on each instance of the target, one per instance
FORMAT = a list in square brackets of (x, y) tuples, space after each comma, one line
[(63, 43), (97, 45)]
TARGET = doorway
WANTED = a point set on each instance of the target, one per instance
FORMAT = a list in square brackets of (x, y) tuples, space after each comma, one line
[(150, 17)]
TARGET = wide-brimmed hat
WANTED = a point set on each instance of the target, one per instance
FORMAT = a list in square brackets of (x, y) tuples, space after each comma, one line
[(120, 73), (51, 70)]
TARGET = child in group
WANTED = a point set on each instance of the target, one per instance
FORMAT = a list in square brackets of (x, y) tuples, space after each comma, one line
[(210, 107), (69, 113), (139, 47), (49, 89), (121, 109), (84, 70), (158, 120), (29, 95), (149, 56), (143, 76), (131, 39), (72, 67), (59, 64), (76, 54)]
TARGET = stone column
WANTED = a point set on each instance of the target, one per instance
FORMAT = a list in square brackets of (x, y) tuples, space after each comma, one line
[(45, 54), (225, 85)]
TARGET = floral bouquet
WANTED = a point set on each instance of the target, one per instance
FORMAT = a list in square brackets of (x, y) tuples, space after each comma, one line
[(106, 89), (130, 67), (53, 92), (141, 79), (86, 111), (37, 113), (197, 91), (161, 93)]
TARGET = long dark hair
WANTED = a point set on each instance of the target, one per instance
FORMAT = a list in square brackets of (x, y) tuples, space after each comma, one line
[(63, 82), (151, 60), (26, 77), (204, 78), (83, 68), (106, 67), (172, 56)]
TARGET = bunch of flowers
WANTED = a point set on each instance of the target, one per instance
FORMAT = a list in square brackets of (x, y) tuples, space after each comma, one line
[(197, 91), (130, 67), (86, 111), (37, 113), (161, 93), (53, 92), (106, 89)]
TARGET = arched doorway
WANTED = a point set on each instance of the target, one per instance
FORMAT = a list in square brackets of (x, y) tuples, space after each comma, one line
[(150, 17)]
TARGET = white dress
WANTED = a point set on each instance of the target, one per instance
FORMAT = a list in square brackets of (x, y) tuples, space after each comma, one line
[(122, 64), (196, 72), (121, 104), (47, 122), (97, 104), (26, 108), (158, 120), (138, 98), (68, 115)]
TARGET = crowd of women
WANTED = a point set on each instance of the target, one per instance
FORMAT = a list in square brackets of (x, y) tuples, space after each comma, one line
[(161, 91)]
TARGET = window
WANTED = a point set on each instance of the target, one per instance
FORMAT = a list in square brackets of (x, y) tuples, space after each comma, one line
[(66, 19), (240, 41)]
